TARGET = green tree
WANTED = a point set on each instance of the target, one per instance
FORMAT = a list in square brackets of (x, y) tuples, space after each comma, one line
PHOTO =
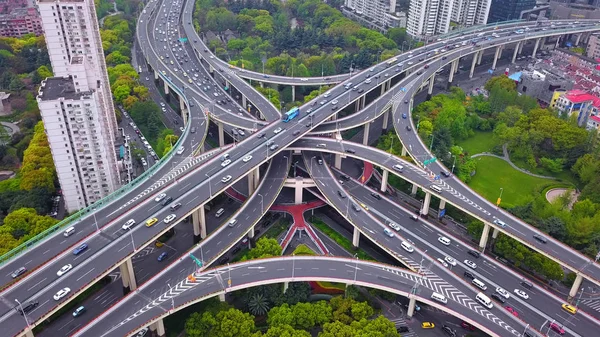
[(258, 305), (285, 331), (233, 323), (265, 247), (199, 325), (280, 315)]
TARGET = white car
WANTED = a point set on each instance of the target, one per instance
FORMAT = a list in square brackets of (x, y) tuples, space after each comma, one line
[(444, 240), (521, 294), (442, 262), (278, 130), (64, 270), (170, 218), (394, 226), (502, 292), (450, 261), (226, 179), (160, 197), (246, 158), (368, 81), (241, 132), (334, 102), (61, 293), (225, 162), (471, 264), (181, 149)]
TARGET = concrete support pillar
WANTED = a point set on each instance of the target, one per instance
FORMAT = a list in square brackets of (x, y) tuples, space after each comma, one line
[(293, 93), (256, 177), (128, 276), (337, 163), (557, 42), (184, 115), (357, 105), (426, 202), (479, 57), (521, 44), (484, 236), (385, 119), (285, 286), (404, 151), (442, 205), (501, 50), (158, 327), (496, 57), (298, 193), (221, 134), (575, 286), (366, 133), (431, 82), (222, 297), (456, 66), (414, 189), (199, 224), (355, 237), (251, 184), (382, 88), (262, 85), (384, 181), (411, 306), (495, 233), (473, 64), (535, 48), (244, 102), (251, 233), (452, 71), (514, 57), (166, 88), (181, 103), (577, 40)]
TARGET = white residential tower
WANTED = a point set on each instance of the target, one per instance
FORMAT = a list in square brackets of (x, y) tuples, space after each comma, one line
[(433, 17)]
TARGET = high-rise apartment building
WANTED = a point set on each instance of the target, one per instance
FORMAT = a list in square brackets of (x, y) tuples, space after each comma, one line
[(432, 17), (593, 46), (376, 14), (506, 10), (76, 105)]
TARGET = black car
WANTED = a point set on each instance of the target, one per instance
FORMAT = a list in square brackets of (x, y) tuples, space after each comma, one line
[(540, 238), (402, 329), (376, 196), (224, 260), (27, 308), (350, 151), (341, 194), (498, 298), (167, 201), (408, 128), (445, 173), (474, 253), (236, 249), (449, 331), (469, 275), (345, 177)]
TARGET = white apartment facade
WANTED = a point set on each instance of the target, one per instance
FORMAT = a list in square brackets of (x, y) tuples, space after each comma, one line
[(378, 14), (433, 17), (76, 105)]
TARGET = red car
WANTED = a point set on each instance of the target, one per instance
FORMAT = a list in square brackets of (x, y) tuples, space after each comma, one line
[(467, 326), (512, 311), (426, 66), (557, 328)]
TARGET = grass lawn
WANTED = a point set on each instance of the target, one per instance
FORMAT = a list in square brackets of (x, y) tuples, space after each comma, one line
[(519, 188), (479, 143), (565, 175)]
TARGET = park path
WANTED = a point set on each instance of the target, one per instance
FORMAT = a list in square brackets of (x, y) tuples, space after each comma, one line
[(506, 158)]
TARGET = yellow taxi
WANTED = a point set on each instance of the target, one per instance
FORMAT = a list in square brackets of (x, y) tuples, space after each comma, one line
[(151, 222), (427, 325), (364, 206), (569, 308)]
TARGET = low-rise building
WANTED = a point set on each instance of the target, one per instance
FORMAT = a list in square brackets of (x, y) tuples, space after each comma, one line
[(542, 84), (20, 22), (578, 103), (593, 46)]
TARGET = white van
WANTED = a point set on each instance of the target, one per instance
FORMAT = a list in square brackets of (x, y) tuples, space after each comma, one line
[(232, 222), (69, 231), (484, 300), (219, 212), (439, 297), (407, 247), (398, 167), (436, 188), (479, 284)]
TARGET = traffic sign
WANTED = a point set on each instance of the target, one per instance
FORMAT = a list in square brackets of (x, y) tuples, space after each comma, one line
[(498, 202), (442, 213), (429, 161), (437, 177), (183, 39)]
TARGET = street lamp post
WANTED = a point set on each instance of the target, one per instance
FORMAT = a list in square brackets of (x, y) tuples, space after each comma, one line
[(132, 242), (262, 206), (24, 314), (453, 163)]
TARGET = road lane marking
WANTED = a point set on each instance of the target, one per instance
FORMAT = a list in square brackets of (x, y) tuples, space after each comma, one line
[(91, 270), (35, 285)]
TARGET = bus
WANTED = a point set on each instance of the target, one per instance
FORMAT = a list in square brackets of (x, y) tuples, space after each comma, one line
[(392, 60), (291, 114)]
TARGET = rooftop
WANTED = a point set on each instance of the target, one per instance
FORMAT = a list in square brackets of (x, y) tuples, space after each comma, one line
[(580, 96), (59, 87)]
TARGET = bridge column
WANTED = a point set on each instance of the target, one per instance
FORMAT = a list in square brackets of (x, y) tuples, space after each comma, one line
[(521, 44), (442, 205), (251, 233), (166, 86), (501, 50), (473, 64), (384, 181), (184, 115), (155, 74), (222, 297), (411, 306), (404, 151), (385, 119), (456, 66), (262, 85), (366, 133), (128, 276), (426, 202), (557, 42), (286, 285), (298, 193), (251, 182), (355, 237), (244, 102), (256, 177), (535, 48), (293, 93), (431, 82), (199, 224), (575, 286), (159, 327), (495, 233), (414, 190), (480, 57), (452, 70), (221, 134), (484, 236), (514, 57), (496, 57), (577, 40)]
